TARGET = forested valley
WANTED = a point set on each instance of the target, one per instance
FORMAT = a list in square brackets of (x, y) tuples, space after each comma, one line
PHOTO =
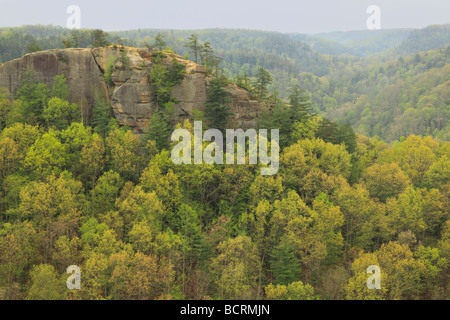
[(363, 179)]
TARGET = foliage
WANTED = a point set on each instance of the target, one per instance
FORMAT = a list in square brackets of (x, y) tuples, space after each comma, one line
[(216, 112), (140, 227), (159, 130), (194, 47), (293, 291), (159, 42), (99, 38)]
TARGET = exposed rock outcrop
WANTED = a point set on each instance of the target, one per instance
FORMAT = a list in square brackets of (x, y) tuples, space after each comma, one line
[(130, 95), (83, 75)]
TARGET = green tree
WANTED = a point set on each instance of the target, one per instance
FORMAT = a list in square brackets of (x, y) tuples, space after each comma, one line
[(105, 192), (293, 291), (99, 38), (209, 58), (34, 96), (401, 274), (416, 157), (385, 181), (101, 117), (122, 148), (159, 42), (93, 158), (438, 175), (262, 80), (217, 111), (60, 88), (300, 105), (337, 134), (236, 268), (34, 46), (45, 284), (284, 265), (5, 105), (60, 113), (194, 46), (47, 155), (159, 130), (163, 78), (75, 36), (243, 80), (54, 207)]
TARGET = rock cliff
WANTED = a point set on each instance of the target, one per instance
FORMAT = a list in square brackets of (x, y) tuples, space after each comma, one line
[(83, 74), (130, 94)]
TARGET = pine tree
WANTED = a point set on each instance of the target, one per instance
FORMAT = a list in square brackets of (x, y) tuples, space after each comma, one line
[(327, 131), (263, 79), (194, 46), (333, 133), (217, 112), (101, 115), (209, 58), (206, 53), (277, 118), (159, 130), (347, 135), (75, 39), (243, 81), (159, 42), (99, 39), (300, 105), (34, 46), (284, 264)]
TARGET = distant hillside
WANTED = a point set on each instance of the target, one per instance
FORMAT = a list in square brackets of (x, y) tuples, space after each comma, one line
[(361, 43), (432, 37), (365, 43), (391, 99), (243, 49), (15, 42)]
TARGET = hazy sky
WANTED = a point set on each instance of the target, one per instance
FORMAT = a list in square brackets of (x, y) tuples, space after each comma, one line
[(300, 16)]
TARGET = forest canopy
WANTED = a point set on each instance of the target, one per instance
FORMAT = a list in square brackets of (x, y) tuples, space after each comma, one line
[(92, 193)]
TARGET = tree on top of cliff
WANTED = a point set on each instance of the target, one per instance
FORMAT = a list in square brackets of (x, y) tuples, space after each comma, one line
[(34, 46), (99, 39), (209, 58), (263, 79), (159, 42), (194, 46)]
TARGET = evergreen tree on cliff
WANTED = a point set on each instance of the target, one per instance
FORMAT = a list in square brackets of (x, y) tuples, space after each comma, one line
[(99, 38), (194, 47), (159, 42), (217, 112), (263, 79)]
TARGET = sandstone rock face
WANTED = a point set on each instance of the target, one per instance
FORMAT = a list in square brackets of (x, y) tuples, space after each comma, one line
[(192, 93), (83, 75), (245, 110), (131, 98), (131, 95)]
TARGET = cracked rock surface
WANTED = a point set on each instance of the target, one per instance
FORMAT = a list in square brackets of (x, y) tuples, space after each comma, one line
[(130, 96)]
